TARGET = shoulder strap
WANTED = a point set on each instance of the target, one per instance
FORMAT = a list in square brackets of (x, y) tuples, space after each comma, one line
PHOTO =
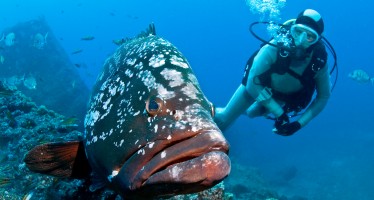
[(319, 58), (280, 66), (317, 62), (248, 67)]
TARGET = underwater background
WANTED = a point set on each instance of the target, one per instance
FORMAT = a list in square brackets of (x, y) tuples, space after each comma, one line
[(330, 158)]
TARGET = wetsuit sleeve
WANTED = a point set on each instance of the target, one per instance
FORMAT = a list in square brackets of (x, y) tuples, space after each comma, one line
[(322, 79), (261, 63)]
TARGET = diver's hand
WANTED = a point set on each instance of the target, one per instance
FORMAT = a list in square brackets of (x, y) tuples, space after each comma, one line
[(288, 128), (283, 119), (220, 118)]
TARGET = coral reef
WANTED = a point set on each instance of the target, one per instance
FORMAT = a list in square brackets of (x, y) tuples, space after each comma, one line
[(246, 182), (215, 193), (24, 125)]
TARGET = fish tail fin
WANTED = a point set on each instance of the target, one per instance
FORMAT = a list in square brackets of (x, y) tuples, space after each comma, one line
[(64, 160)]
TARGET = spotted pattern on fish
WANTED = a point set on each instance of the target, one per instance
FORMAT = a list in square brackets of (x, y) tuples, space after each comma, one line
[(120, 131), (157, 60)]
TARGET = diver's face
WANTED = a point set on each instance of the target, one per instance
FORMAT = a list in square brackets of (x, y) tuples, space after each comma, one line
[(303, 35)]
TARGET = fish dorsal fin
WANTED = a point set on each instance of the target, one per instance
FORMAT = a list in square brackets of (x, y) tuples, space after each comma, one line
[(151, 30), (64, 160)]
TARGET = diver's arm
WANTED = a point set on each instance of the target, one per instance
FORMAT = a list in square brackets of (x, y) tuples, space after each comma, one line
[(322, 79), (261, 63)]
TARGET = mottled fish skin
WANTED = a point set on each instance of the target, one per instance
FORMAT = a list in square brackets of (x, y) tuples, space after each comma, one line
[(176, 148)]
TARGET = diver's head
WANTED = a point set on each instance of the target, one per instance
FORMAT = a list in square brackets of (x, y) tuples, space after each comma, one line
[(307, 29)]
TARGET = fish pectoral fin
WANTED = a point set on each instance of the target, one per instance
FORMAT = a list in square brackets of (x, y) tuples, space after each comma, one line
[(64, 160)]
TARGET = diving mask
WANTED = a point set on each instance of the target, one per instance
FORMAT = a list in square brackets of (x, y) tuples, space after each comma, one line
[(304, 35)]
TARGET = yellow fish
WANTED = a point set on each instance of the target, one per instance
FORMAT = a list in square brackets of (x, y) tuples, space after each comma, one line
[(70, 121)]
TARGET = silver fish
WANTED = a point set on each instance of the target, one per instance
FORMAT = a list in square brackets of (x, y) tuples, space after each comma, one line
[(8, 39), (360, 76), (40, 41), (30, 82)]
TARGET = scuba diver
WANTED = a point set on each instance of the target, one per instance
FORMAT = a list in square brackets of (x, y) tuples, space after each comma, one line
[(282, 77)]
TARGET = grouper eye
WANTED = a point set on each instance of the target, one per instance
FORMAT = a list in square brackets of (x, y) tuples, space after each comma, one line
[(153, 106)]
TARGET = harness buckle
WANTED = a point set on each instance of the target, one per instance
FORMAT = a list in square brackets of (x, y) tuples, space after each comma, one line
[(284, 53), (315, 67)]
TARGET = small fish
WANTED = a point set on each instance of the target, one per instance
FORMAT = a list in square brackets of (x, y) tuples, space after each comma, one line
[(30, 82), (70, 121), (119, 42), (5, 181), (80, 65), (88, 37), (360, 76), (8, 39), (77, 51), (40, 41), (6, 93), (149, 129), (2, 59), (132, 17), (73, 84)]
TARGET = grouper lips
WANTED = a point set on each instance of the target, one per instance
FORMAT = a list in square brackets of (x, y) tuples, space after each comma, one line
[(195, 163)]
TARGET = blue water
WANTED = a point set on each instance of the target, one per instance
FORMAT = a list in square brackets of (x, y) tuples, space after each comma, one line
[(333, 154)]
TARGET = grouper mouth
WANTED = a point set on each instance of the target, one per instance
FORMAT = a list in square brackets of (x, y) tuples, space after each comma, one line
[(187, 166)]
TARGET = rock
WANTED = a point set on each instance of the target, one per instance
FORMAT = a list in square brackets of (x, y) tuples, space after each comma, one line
[(43, 71)]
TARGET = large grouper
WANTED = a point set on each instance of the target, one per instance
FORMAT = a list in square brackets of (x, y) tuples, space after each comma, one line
[(149, 129)]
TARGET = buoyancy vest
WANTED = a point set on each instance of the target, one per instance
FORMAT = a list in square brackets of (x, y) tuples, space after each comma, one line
[(298, 100)]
